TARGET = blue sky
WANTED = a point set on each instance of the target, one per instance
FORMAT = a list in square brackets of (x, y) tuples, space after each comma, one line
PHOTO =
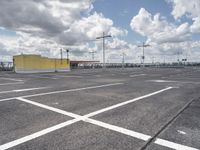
[(121, 12), (45, 26)]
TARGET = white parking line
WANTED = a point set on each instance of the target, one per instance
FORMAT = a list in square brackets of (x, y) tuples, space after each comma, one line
[(37, 134), (171, 81), (162, 81), (173, 145), (41, 77), (23, 90), (134, 134), (48, 107), (12, 83), (126, 102), (131, 133), (137, 75), (64, 91), (62, 76), (11, 79)]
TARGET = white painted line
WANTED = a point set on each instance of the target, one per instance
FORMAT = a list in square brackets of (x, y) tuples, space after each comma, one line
[(181, 132), (83, 118), (48, 107), (30, 89), (11, 79), (64, 91), (119, 129), (162, 81), (126, 102), (137, 75), (43, 77), (62, 76), (7, 99), (73, 90), (92, 121), (23, 90), (37, 134), (12, 83), (173, 145), (170, 81)]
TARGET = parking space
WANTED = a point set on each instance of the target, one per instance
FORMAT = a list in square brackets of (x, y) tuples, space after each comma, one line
[(82, 136), (102, 109), (19, 119)]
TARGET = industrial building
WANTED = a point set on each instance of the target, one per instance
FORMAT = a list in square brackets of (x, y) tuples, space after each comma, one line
[(36, 63)]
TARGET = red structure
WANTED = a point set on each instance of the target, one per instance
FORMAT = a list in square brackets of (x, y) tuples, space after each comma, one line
[(79, 63)]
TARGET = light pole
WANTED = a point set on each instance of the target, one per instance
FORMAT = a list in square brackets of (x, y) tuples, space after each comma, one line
[(103, 46), (67, 56), (61, 55), (153, 59), (123, 60), (92, 52), (143, 46)]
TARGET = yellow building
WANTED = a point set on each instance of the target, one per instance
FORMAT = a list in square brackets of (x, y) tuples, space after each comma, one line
[(36, 63)]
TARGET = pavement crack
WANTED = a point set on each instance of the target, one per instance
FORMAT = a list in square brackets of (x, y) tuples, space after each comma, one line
[(153, 138)]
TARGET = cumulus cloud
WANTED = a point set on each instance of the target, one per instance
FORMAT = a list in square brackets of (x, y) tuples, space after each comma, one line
[(157, 29), (43, 26), (190, 9), (185, 7), (169, 39)]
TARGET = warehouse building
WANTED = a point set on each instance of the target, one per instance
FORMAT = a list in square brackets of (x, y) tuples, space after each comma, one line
[(36, 63)]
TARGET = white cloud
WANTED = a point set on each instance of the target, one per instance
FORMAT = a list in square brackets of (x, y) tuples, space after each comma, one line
[(190, 9), (157, 29), (184, 7), (195, 28), (44, 26)]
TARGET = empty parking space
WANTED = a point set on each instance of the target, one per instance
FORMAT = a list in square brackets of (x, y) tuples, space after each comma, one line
[(185, 129), (82, 136), (97, 109), (19, 119)]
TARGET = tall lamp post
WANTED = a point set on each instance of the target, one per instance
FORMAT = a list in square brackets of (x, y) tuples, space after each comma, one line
[(123, 59), (61, 55), (92, 52), (67, 55), (143, 46), (103, 46)]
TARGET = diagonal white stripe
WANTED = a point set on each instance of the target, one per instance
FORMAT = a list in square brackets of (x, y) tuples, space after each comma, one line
[(124, 131), (173, 145), (63, 91), (126, 102)]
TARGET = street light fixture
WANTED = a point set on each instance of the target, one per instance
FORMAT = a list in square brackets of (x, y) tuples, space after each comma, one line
[(67, 56), (143, 46), (103, 46)]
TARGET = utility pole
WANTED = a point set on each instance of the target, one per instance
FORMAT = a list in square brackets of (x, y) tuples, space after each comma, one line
[(153, 59), (67, 56), (178, 57), (61, 55), (143, 46), (164, 58), (103, 46), (123, 60), (92, 52)]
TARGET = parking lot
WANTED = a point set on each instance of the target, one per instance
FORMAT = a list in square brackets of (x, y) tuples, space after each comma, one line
[(133, 109)]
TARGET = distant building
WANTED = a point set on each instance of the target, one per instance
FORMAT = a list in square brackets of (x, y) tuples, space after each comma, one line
[(78, 63), (36, 63)]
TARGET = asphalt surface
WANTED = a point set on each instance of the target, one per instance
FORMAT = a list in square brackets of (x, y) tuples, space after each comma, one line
[(130, 109)]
